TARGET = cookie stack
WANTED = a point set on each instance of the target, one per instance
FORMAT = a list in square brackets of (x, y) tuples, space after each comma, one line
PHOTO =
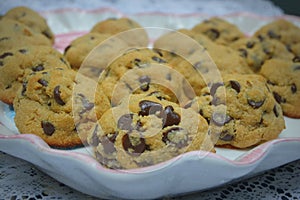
[(137, 106)]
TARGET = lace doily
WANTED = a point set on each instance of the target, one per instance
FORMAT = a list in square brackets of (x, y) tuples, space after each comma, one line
[(21, 180)]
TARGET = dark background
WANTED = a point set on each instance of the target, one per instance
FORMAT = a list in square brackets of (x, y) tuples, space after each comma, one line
[(290, 7)]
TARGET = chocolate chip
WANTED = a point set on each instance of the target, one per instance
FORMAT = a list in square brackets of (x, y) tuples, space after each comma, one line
[(165, 134), (273, 35), (296, 68), (23, 51), (270, 82), (243, 53), (43, 82), (39, 67), (145, 81), (137, 148), (47, 34), (267, 51), (214, 88), (168, 77), (296, 59), (261, 38), (125, 122), (250, 44), (293, 88), (4, 38), (167, 137), (94, 139), (6, 54), (24, 88), (1, 64), (159, 60), (139, 126), (8, 86), (67, 48), (137, 60), (57, 97), (278, 98), (149, 108), (255, 104), (63, 61), (158, 52), (220, 119), (170, 117), (235, 85), (108, 142), (48, 128), (213, 34), (86, 103), (216, 101), (225, 136), (275, 111)]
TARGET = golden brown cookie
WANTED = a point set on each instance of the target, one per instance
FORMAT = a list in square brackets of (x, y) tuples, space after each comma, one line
[(256, 52), (48, 106), (127, 29), (141, 71), (280, 29), (219, 30), (145, 131), (14, 34), (17, 63), (241, 111), (284, 82), (80, 47), (31, 19)]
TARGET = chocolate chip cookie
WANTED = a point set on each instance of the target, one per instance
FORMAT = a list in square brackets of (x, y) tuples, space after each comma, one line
[(241, 111), (283, 80), (48, 106), (189, 44), (14, 34), (219, 30), (31, 19), (141, 71), (256, 52), (147, 131), (79, 48), (127, 29), (16, 63), (280, 29)]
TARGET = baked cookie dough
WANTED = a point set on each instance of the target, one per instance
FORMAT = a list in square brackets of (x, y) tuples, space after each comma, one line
[(141, 71), (48, 106), (190, 44), (245, 115), (256, 52), (147, 131), (31, 19), (219, 30), (126, 29), (79, 48), (15, 34), (283, 80), (21, 61)]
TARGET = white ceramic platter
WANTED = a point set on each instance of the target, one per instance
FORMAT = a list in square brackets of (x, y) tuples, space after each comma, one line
[(190, 172)]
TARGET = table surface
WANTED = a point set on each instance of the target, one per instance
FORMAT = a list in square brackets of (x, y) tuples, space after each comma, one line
[(22, 180)]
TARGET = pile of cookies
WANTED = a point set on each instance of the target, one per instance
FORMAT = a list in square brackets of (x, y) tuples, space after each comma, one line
[(137, 106)]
